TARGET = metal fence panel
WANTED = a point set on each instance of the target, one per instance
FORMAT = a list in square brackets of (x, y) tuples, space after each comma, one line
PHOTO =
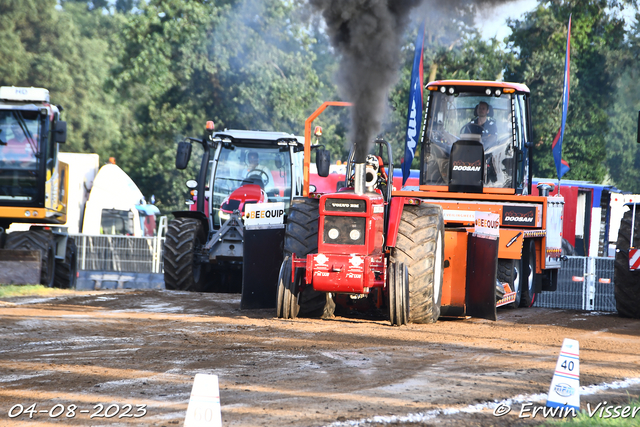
[(584, 283), (570, 292), (604, 299), (120, 253)]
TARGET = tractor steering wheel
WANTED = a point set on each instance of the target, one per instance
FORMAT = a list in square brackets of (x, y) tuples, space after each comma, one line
[(258, 173), (473, 128)]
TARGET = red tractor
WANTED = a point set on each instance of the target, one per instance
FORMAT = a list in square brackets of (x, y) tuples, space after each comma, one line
[(335, 250), (216, 245), (424, 252)]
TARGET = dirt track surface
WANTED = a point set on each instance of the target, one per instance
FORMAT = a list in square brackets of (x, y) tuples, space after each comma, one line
[(144, 347)]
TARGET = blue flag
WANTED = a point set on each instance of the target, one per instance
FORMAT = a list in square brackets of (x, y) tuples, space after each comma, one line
[(562, 166), (414, 117)]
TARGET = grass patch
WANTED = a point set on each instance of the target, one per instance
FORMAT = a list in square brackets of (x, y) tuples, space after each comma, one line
[(8, 291), (608, 415)]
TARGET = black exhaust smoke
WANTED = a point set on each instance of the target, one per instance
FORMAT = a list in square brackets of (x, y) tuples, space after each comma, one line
[(368, 36)]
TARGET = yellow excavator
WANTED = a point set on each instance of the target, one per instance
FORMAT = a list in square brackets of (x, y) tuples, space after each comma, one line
[(33, 191)]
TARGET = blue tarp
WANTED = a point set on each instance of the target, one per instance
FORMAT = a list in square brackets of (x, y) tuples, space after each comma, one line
[(413, 173), (148, 209)]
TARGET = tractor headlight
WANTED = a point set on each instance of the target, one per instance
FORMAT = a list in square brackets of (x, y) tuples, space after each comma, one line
[(344, 230), (222, 215), (333, 233)]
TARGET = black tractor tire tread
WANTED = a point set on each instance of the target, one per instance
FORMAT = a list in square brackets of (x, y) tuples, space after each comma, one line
[(398, 294), (626, 282), (505, 270), (301, 239), (291, 297), (416, 248), (66, 270), (183, 234), (527, 298), (506, 274), (302, 227), (36, 240), (280, 300), (287, 306)]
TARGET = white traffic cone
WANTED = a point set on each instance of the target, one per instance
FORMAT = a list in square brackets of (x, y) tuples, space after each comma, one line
[(565, 385), (204, 403)]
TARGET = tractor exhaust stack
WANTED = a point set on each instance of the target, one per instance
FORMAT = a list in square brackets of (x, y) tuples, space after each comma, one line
[(359, 178)]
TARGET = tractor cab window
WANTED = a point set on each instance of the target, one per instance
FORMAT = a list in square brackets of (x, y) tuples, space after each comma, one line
[(116, 222), (469, 116), (521, 126), (250, 174), (20, 145)]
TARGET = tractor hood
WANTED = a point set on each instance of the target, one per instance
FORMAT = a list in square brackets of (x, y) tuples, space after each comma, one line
[(248, 193)]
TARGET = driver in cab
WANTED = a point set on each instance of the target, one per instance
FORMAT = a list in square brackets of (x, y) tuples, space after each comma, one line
[(257, 172), (18, 148), (483, 123)]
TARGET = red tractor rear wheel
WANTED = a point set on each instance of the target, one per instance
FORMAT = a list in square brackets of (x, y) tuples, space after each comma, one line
[(420, 246), (301, 239)]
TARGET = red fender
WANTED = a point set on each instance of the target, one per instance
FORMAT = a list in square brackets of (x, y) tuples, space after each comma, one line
[(395, 213)]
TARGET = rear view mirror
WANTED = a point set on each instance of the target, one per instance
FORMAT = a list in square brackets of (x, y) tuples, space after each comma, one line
[(323, 160), (279, 163), (60, 132), (183, 155)]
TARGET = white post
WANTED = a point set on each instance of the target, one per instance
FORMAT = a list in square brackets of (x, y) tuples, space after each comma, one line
[(84, 251), (633, 223), (156, 254), (590, 284)]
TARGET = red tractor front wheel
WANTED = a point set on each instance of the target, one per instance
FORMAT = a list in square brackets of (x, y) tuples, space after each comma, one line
[(420, 246), (287, 306), (398, 283)]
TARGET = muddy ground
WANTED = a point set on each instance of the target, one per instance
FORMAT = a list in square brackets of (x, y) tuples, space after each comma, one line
[(144, 347)]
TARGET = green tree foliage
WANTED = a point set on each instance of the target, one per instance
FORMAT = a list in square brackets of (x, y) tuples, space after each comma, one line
[(539, 41), (108, 6), (334, 120), (243, 64), (135, 77), (67, 51), (623, 151)]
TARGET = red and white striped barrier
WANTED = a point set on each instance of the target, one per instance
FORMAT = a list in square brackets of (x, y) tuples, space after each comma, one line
[(634, 259)]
